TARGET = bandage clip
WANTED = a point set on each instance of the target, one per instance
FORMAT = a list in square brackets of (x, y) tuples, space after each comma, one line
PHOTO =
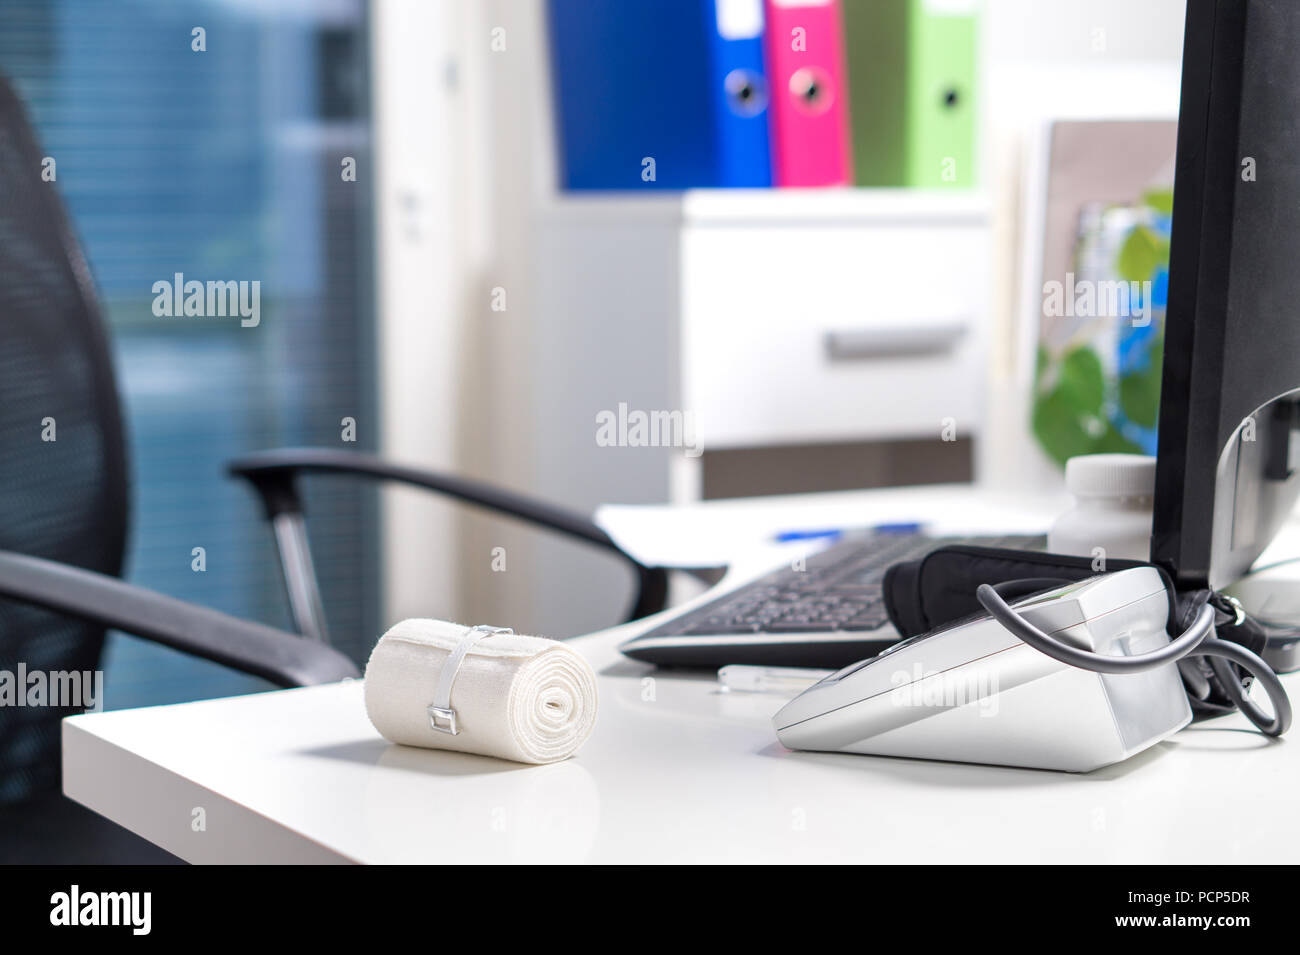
[(442, 717)]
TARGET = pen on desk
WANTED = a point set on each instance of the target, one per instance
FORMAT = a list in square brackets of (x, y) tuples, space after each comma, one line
[(899, 527), (785, 537), (758, 679)]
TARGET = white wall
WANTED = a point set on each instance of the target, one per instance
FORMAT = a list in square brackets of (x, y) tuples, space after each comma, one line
[(498, 441), (531, 422), (1058, 32), (429, 229), (1053, 59), (462, 106)]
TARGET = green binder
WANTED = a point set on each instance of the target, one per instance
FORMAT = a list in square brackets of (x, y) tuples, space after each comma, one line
[(912, 91)]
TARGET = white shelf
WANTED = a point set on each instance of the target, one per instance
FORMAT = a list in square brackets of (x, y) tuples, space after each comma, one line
[(833, 206), (846, 206)]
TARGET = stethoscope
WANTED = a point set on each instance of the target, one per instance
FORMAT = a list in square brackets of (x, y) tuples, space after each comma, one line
[(1197, 640)]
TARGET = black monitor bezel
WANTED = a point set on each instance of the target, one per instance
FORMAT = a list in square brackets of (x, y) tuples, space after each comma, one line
[(1206, 171)]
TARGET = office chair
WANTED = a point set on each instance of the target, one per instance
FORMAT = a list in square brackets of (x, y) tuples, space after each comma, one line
[(63, 519)]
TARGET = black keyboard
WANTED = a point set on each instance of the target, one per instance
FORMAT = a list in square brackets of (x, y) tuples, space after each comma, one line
[(827, 612)]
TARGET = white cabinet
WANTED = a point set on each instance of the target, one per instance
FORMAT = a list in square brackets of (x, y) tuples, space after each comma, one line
[(775, 317), (842, 316), (769, 317)]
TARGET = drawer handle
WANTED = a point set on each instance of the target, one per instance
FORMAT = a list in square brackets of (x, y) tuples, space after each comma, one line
[(861, 344)]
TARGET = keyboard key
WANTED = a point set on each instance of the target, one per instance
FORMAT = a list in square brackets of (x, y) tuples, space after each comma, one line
[(726, 628), (821, 626)]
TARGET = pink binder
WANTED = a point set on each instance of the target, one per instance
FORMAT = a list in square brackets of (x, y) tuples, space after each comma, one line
[(809, 101)]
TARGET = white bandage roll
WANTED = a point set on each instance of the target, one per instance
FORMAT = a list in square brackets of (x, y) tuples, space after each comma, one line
[(515, 697)]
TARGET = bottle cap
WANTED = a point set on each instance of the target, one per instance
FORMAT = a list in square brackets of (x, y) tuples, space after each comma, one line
[(1111, 475)]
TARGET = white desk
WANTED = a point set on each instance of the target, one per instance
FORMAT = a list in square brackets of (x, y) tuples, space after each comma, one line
[(674, 772), (718, 533)]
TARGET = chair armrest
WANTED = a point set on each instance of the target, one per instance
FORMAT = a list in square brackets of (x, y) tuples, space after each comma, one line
[(280, 657), (272, 474), (265, 468)]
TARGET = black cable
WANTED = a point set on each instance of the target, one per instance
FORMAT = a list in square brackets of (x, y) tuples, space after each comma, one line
[(1220, 650), (1014, 589), (1198, 686), (1197, 640), (1201, 628)]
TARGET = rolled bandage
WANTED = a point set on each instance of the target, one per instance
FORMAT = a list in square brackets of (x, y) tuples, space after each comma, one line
[(480, 690)]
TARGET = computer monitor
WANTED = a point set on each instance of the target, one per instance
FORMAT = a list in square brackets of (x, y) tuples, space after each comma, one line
[(1229, 453)]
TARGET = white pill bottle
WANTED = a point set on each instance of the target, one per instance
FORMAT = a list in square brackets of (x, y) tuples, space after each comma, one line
[(1111, 517)]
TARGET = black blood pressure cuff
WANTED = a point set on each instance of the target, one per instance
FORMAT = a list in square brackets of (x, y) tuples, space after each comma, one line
[(939, 589), (921, 595)]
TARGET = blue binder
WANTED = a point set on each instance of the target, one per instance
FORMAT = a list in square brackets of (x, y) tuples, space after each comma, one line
[(659, 94), (740, 94)]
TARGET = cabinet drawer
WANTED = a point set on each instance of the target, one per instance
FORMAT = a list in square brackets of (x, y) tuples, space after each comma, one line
[(796, 333)]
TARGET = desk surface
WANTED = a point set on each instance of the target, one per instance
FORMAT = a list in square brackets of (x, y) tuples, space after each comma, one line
[(674, 772), (717, 533)]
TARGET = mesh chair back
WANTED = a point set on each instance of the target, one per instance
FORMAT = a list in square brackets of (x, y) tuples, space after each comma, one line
[(63, 486)]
